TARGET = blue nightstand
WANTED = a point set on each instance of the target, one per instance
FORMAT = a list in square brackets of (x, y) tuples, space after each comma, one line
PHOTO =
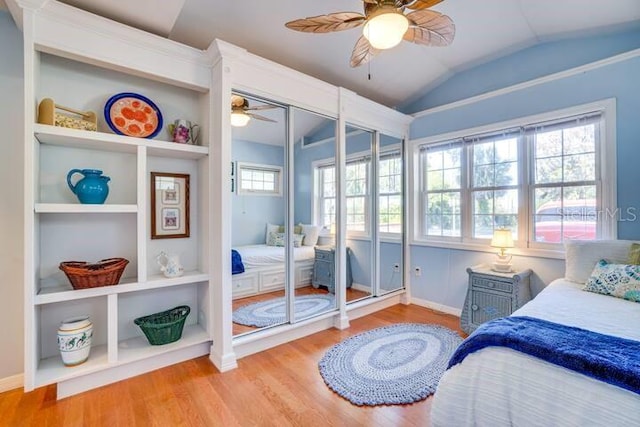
[(324, 268)]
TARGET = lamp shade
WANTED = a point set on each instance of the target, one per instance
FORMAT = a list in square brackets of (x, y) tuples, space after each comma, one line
[(386, 29), (502, 238), (239, 119)]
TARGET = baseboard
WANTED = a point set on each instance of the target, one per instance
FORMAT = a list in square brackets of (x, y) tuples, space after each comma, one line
[(436, 306), (360, 287), (12, 382)]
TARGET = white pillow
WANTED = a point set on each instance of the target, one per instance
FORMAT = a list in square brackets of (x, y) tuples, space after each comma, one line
[(310, 234), (271, 228), (581, 256)]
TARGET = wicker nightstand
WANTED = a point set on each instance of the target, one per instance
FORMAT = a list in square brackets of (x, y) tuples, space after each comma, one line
[(324, 268), (491, 295)]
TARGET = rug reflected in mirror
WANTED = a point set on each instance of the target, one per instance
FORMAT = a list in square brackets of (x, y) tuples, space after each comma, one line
[(392, 365), (274, 311)]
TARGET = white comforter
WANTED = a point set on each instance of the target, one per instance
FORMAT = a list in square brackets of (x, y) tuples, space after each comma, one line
[(254, 256), (501, 387)]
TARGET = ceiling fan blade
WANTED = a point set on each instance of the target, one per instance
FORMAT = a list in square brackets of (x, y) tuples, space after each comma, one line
[(327, 23), (370, 1), (430, 28), (363, 52), (259, 117), (420, 4)]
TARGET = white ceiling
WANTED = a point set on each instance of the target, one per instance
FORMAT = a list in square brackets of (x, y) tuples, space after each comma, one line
[(484, 30)]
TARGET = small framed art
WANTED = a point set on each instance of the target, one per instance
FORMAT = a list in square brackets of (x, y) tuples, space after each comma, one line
[(169, 205)]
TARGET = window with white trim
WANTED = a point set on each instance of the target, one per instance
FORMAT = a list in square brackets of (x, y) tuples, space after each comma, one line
[(255, 179), (541, 180), (390, 192), (358, 193)]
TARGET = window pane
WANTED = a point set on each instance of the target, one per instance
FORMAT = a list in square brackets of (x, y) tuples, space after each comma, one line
[(580, 167), (434, 180), (548, 170), (507, 174), (483, 176), (565, 213), (579, 139), (494, 209), (451, 179)]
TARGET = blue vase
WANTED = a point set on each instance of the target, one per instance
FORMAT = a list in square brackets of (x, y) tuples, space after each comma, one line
[(92, 189)]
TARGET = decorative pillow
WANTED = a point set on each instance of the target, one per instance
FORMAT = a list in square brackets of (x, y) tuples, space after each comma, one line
[(275, 239), (297, 240), (634, 254), (582, 255), (271, 228), (618, 280), (310, 234), (296, 229)]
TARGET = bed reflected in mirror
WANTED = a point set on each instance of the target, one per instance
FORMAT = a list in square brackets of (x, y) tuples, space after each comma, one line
[(259, 137)]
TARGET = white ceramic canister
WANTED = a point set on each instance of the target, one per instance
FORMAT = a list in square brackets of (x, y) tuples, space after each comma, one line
[(74, 340)]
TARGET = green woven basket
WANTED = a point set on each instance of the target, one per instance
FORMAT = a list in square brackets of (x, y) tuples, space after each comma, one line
[(165, 327)]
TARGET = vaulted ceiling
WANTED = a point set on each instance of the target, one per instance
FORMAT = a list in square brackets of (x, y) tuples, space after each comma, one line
[(484, 30)]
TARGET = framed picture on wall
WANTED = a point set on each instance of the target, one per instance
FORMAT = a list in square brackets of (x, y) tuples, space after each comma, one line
[(169, 205)]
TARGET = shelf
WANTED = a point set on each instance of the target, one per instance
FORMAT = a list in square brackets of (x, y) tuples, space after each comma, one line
[(80, 208), (138, 348), (64, 137), (64, 292), (52, 370)]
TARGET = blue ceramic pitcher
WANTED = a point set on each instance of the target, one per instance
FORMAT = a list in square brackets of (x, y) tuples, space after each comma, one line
[(92, 189)]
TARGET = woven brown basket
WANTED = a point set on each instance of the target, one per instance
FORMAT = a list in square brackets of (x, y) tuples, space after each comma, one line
[(83, 275)]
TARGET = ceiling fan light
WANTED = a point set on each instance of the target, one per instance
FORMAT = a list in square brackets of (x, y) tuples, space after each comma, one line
[(386, 29), (239, 119)]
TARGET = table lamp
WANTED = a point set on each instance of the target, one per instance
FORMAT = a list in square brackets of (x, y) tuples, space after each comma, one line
[(502, 239)]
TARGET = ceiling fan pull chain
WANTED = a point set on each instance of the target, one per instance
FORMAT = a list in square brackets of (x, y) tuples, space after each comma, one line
[(369, 72)]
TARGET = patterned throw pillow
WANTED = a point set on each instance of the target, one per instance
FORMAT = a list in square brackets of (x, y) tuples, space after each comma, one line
[(275, 239), (618, 280)]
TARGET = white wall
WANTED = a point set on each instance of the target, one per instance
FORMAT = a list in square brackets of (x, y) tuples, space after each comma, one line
[(11, 194)]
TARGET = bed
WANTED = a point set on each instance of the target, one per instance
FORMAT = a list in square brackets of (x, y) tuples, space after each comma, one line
[(498, 386), (264, 269)]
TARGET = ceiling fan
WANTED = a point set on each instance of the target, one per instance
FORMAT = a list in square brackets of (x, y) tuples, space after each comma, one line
[(241, 111), (385, 26)]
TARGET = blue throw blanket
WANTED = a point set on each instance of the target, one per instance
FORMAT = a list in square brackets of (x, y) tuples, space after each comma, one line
[(237, 266), (603, 357)]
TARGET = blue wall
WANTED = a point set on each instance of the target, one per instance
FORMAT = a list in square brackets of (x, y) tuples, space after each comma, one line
[(252, 213), (527, 64), (444, 279)]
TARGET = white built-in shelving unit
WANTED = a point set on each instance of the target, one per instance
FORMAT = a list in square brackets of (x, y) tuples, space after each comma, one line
[(71, 64)]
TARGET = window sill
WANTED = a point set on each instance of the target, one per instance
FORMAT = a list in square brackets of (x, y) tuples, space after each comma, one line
[(475, 247)]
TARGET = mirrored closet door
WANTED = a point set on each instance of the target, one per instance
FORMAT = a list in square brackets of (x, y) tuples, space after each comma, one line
[(313, 209), (258, 152), (390, 191), (360, 208)]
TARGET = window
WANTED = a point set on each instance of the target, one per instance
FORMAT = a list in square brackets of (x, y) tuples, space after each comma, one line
[(257, 179), (357, 194), (541, 180), (442, 185), (390, 193), (564, 180), (357, 183)]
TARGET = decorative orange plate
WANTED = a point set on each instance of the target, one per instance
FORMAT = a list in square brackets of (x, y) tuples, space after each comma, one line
[(131, 114)]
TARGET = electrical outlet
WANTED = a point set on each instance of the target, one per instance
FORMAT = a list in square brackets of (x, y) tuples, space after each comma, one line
[(418, 271), (396, 267)]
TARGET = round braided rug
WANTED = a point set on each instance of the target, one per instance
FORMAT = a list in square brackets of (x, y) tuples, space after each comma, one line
[(274, 311), (391, 365)]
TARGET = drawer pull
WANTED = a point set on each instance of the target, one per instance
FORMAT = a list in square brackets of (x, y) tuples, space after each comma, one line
[(474, 307), (492, 285)]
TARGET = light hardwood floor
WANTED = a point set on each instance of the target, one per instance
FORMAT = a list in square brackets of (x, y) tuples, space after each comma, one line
[(277, 387)]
